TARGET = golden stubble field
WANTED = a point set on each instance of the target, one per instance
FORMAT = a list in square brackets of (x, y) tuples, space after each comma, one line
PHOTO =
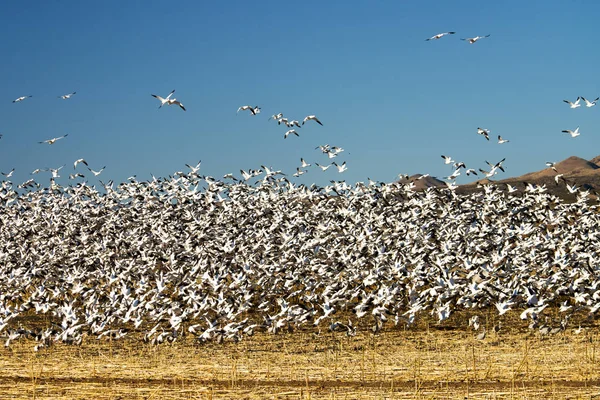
[(425, 362)]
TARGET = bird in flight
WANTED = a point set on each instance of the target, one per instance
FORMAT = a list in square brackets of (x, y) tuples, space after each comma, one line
[(67, 96), (8, 174), (304, 163), (484, 132), (53, 140), (340, 168), (253, 110), (439, 36), (447, 159), (573, 104), (290, 132), (21, 99), (323, 167), (96, 173), (194, 170), (475, 39), (574, 133), (312, 117), (590, 103), (168, 100), (500, 140), (81, 160)]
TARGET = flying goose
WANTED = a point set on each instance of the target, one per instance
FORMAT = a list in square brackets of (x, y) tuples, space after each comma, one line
[(165, 100), (574, 133), (484, 132), (439, 36), (304, 163), (290, 132), (575, 104), (253, 110), (96, 173), (475, 39), (590, 103), (21, 99), (53, 140), (169, 101), (67, 96), (447, 159), (312, 117), (341, 168), (81, 160)]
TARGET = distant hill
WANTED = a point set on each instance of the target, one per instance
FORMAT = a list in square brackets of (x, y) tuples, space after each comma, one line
[(576, 170)]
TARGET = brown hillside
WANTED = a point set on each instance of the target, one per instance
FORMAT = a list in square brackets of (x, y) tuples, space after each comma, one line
[(596, 160), (570, 166), (579, 172)]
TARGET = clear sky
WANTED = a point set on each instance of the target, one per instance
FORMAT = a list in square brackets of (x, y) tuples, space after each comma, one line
[(392, 100)]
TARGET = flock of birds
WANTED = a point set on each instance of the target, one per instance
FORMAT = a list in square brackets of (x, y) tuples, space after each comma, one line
[(218, 259), (221, 258)]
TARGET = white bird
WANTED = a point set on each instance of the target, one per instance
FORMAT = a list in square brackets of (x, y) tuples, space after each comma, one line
[(484, 132), (53, 140), (341, 168), (96, 173), (290, 132), (575, 104), (81, 160), (312, 117), (551, 164), (471, 171), (299, 172), (194, 169), (275, 116), (590, 103), (511, 189), (447, 159), (169, 101), (440, 35), (21, 99), (574, 133), (253, 110), (8, 174), (500, 140), (476, 38), (54, 172), (165, 100), (304, 163), (498, 165), (323, 167), (67, 96)]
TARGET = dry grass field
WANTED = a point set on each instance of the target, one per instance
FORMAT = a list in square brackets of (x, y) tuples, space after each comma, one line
[(425, 362)]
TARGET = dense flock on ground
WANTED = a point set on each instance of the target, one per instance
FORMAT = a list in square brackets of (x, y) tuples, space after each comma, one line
[(191, 255)]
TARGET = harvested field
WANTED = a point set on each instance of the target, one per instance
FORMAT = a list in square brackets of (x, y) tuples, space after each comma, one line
[(425, 363)]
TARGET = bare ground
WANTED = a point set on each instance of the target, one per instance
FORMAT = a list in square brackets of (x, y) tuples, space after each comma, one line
[(425, 363)]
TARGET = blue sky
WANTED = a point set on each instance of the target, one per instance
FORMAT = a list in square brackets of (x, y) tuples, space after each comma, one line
[(393, 101)]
